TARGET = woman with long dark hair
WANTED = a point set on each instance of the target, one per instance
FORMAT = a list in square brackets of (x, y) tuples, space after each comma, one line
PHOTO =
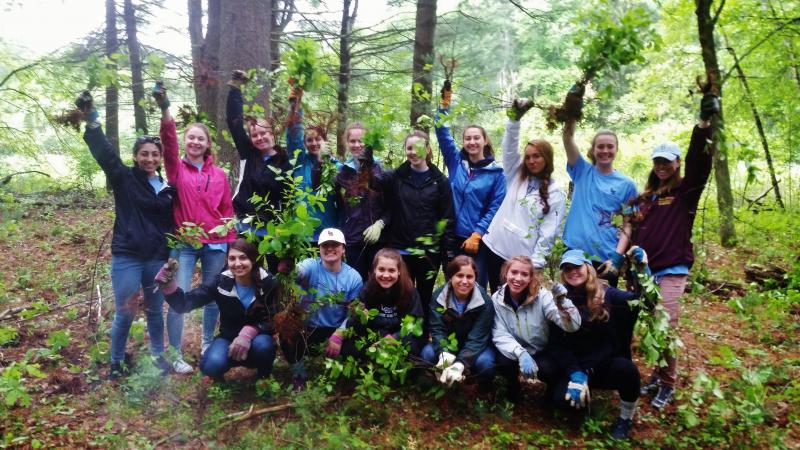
[(246, 296)]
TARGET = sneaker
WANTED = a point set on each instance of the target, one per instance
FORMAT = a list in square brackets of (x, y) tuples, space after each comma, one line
[(117, 370), (663, 398), (203, 347), (182, 367), (298, 383), (651, 387), (621, 428)]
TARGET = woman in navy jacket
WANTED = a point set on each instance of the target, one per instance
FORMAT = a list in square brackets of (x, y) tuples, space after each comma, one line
[(143, 217), (246, 295), (478, 188)]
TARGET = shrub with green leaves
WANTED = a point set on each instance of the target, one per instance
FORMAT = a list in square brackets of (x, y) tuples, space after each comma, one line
[(303, 64)]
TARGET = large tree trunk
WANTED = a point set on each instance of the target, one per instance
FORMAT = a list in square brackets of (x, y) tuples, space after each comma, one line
[(237, 37), (349, 10), (421, 82), (137, 86), (705, 28), (759, 125), (112, 95)]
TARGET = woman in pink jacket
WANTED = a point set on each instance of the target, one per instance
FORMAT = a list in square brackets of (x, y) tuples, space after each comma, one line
[(204, 199)]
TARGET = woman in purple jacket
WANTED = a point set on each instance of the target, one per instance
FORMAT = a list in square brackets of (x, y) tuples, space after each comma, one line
[(663, 228)]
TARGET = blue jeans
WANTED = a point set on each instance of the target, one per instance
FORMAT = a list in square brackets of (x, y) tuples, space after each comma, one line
[(481, 263), (211, 263), (260, 356), (482, 367), (129, 274)]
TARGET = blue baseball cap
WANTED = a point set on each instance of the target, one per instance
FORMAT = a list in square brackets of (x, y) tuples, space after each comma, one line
[(667, 150), (574, 257)]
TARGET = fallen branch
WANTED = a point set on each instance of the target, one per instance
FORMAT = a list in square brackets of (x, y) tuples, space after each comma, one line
[(7, 178), (250, 413)]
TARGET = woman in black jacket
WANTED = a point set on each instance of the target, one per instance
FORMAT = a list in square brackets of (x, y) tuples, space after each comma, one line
[(143, 217), (421, 199), (598, 353), (246, 295)]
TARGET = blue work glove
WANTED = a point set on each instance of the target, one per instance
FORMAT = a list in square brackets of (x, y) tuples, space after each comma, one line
[(527, 366), (611, 265), (578, 390), (159, 93), (639, 257), (85, 104)]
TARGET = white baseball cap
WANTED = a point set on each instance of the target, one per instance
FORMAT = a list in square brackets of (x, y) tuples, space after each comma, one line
[(331, 234), (667, 150)]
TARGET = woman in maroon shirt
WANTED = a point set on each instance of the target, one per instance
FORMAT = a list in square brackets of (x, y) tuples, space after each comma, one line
[(663, 228)]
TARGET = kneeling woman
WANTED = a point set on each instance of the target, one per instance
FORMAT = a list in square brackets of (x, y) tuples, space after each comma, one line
[(522, 310), (391, 291), (247, 298), (597, 354), (466, 310)]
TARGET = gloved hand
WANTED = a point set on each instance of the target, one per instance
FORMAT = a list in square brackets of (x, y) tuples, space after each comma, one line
[(165, 278), (447, 93), (238, 79), (373, 232), (518, 108), (709, 106), (335, 344), (611, 265), (452, 374), (241, 344), (472, 243), (578, 390), (639, 257), (296, 92), (367, 158), (85, 104), (527, 366), (285, 265), (159, 93), (559, 291), (445, 360)]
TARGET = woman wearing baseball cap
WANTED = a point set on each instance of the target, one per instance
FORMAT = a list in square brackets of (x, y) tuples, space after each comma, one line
[(663, 228)]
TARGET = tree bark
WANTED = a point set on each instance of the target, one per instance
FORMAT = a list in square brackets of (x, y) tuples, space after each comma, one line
[(349, 10), (759, 125), (205, 51), (112, 94), (421, 81), (137, 85), (705, 28), (281, 16)]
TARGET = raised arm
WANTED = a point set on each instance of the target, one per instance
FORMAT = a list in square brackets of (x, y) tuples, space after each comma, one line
[(169, 134), (99, 146), (510, 145), (568, 137), (234, 115), (447, 145)]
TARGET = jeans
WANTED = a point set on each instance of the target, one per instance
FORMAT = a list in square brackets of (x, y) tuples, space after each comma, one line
[(482, 367), (211, 263), (260, 356), (481, 263), (129, 274), (618, 374)]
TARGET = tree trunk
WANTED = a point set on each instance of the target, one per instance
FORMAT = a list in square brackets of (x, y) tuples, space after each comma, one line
[(348, 18), (759, 125), (244, 44), (281, 16), (137, 86), (112, 95), (421, 82), (705, 28), (205, 52)]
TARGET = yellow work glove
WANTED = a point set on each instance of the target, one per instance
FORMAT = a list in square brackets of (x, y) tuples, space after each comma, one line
[(472, 243)]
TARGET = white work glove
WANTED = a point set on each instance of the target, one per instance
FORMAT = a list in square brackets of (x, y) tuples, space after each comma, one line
[(373, 232), (445, 360), (452, 374)]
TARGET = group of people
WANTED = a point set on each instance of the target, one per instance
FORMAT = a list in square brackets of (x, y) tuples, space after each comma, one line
[(384, 234)]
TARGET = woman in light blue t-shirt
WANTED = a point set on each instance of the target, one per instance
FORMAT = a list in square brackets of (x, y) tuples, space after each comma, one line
[(600, 193)]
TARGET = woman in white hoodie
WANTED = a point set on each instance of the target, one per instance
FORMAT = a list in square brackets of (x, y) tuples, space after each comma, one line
[(523, 308), (532, 211)]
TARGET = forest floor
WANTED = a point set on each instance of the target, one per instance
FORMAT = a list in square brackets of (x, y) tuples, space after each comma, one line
[(740, 367)]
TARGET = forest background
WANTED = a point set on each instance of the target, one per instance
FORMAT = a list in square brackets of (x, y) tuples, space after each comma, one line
[(383, 67)]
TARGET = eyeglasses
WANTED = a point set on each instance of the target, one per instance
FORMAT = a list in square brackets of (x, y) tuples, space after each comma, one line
[(148, 140)]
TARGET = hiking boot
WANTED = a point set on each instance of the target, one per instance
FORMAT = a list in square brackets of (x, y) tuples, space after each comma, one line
[(162, 364), (663, 397), (621, 428), (651, 387), (182, 367), (117, 370)]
